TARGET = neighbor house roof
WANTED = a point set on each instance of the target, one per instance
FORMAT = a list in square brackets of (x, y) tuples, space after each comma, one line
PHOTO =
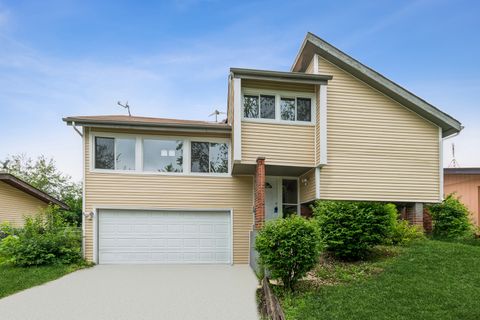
[(31, 190), (472, 170), (314, 45), (280, 76), (122, 121)]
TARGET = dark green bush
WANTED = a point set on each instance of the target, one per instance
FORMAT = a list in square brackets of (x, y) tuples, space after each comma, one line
[(288, 248), (451, 219), (404, 233), (44, 239), (349, 229)]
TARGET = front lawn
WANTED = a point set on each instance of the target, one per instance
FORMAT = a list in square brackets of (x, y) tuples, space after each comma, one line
[(427, 280), (13, 279)]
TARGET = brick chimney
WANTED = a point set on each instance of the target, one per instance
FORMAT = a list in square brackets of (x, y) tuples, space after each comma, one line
[(260, 193)]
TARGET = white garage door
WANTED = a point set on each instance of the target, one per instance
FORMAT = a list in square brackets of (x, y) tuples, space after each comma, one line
[(149, 237)]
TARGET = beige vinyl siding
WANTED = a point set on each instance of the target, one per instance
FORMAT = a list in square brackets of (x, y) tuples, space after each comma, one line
[(155, 191), (15, 204), (280, 144), (281, 86), (307, 188), (310, 69), (377, 149)]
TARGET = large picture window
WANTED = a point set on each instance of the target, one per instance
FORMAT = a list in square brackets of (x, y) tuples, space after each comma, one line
[(162, 155), (208, 157), (159, 154), (114, 153)]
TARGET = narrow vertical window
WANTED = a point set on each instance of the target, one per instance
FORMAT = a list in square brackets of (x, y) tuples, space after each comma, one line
[(289, 197), (250, 106), (267, 107), (104, 153), (218, 157), (304, 109), (200, 157), (287, 109)]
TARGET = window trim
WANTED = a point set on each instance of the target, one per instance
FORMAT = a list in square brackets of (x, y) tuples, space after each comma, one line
[(209, 166), (139, 153), (114, 153), (278, 95)]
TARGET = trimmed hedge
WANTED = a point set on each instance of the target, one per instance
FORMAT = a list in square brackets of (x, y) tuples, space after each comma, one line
[(451, 219), (288, 248), (349, 229)]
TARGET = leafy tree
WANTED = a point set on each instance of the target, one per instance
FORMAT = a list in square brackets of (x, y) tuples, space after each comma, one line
[(43, 174)]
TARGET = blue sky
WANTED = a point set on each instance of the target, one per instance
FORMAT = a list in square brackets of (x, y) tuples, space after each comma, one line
[(171, 59)]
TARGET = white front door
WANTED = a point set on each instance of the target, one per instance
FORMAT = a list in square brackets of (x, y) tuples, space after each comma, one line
[(272, 198), (150, 237)]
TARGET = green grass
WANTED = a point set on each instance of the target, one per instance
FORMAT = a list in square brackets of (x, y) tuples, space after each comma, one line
[(14, 279), (427, 280)]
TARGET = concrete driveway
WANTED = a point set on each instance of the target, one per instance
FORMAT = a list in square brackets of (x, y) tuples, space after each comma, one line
[(140, 292)]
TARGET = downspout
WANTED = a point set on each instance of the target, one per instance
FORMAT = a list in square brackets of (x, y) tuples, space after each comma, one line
[(76, 129), (83, 187)]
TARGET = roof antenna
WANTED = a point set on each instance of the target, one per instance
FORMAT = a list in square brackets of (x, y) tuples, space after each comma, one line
[(126, 106), (4, 164), (216, 113), (454, 162)]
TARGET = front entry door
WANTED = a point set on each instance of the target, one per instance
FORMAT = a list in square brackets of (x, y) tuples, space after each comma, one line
[(272, 199)]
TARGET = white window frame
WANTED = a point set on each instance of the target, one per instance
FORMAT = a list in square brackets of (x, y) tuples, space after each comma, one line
[(139, 153), (114, 153), (209, 142), (278, 95)]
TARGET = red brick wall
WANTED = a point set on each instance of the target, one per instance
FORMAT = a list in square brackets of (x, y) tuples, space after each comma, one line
[(427, 221), (260, 193)]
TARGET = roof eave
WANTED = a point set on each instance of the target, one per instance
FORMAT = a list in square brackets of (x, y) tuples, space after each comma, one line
[(279, 76), (147, 126), (314, 45), (31, 190)]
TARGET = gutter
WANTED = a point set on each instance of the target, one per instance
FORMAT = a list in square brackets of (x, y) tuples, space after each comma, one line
[(150, 126)]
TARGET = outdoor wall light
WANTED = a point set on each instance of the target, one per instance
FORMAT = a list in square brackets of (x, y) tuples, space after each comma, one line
[(305, 181), (88, 215)]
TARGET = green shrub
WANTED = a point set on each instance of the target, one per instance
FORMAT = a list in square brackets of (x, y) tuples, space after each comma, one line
[(350, 229), (6, 230), (288, 248), (404, 233), (450, 219), (44, 239)]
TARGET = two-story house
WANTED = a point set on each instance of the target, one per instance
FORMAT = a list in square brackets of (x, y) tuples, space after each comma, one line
[(178, 191)]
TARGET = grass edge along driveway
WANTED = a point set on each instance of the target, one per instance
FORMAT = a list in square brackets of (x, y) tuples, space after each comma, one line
[(15, 279)]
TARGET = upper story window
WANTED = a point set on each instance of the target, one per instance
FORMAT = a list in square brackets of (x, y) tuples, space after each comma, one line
[(209, 157), (161, 155), (278, 107), (114, 153), (296, 109), (259, 106)]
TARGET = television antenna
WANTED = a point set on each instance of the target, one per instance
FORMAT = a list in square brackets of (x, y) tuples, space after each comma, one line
[(4, 165), (126, 106), (454, 162), (216, 113)]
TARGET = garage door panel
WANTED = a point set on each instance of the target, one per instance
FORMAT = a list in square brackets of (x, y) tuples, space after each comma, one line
[(129, 236)]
